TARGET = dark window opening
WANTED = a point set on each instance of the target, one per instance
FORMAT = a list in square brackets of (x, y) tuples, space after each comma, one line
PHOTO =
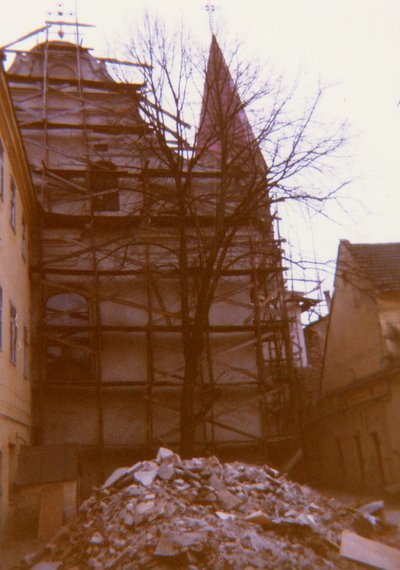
[(100, 147), (1, 318), (68, 347), (13, 334), (23, 240), (26, 353), (104, 186), (13, 205), (1, 172)]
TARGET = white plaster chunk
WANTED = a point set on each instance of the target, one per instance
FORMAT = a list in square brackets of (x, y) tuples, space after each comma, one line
[(128, 520), (96, 538), (166, 471), (115, 476), (144, 509), (47, 566), (146, 477), (225, 516), (228, 500), (163, 453)]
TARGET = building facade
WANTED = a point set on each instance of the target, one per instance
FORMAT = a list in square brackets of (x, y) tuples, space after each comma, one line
[(353, 430), (158, 297), (17, 216)]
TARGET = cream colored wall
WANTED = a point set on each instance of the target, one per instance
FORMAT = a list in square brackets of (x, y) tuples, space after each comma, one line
[(355, 345), (389, 316), (15, 391)]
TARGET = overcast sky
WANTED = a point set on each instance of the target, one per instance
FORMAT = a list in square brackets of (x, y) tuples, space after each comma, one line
[(351, 45)]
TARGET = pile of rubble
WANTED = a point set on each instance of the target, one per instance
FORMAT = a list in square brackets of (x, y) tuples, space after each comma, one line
[(197, 514)]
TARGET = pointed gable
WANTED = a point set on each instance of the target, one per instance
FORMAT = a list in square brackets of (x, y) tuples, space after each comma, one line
[(224, 130)]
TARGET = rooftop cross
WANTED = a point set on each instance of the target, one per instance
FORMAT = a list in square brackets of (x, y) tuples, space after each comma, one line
[(60, 14), (210, 8)]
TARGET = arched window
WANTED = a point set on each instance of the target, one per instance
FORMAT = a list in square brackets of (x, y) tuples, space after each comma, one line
[(68, 346)]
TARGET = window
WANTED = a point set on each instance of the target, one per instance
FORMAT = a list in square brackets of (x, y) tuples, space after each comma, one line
[(104, 186), (100, 147), (13, 206), (13, 334), (67, 316), (1, 172), (23, 243), (1, 318), (26, 353)]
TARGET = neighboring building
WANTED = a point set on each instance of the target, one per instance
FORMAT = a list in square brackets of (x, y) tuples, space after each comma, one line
[(108, 279), (17, 216), (353, 433)]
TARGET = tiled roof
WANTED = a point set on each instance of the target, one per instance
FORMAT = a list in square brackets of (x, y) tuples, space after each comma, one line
[(380, 262)]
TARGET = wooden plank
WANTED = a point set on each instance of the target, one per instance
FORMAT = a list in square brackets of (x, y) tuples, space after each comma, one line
[(369, 552), (51, 511), (295, 458)]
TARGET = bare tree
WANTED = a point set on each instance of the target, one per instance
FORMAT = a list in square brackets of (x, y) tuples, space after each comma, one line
[(218, 191)]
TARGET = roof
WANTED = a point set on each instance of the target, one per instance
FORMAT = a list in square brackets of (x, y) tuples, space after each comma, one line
[(380, 263), (223, 120), (61, 62), (47, 464)]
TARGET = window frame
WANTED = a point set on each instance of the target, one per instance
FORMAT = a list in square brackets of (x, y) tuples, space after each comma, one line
[(13, 334), (2, 164), (23, 240), (13, 205), (1, 319), (26, 352)]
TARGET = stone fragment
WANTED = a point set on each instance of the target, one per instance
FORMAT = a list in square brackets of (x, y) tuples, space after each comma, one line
[(115, 476), (164, 453), (217, 483), (96, 538), (225, 516), (133, 490), (145, 511), (47, 566), (146, 476), (128, 520), (228, 500), (181, 485), (258, 517), (166, 471), (166, 546), (369, 552), (374, 508), (95, 564)]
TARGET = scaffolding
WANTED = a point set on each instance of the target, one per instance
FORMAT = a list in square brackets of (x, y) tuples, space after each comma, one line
[(108, 277)]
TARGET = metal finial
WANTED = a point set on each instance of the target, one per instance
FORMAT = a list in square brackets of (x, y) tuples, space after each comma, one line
[(210, 8), (61, 16)]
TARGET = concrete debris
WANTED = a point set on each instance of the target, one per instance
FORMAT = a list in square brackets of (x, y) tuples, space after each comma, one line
[(115, 476), (370, 552), (375, 508), (48, 566), (200, 514)]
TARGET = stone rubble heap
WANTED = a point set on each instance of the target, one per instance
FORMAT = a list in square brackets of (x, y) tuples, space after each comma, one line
[(197, 514)]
